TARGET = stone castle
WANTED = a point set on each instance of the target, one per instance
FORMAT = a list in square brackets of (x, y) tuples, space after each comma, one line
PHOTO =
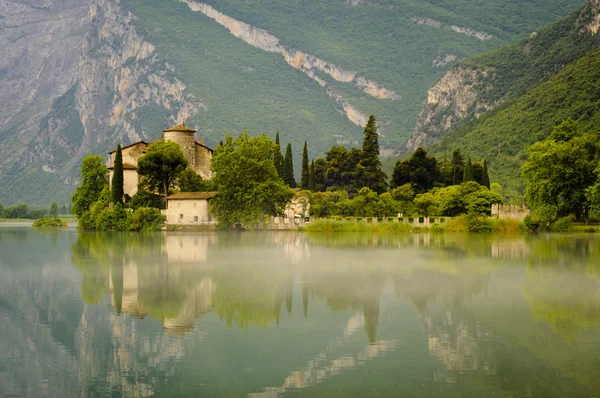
[(196, 153)]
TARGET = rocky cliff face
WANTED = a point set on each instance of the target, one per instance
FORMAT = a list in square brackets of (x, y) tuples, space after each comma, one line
[(454, 97), (469, 89)]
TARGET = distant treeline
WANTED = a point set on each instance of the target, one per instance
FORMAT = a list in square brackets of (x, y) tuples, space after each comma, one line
[(22, 210)]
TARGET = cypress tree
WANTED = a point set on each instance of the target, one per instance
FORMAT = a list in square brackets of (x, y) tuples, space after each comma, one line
[(468, 173), (373, 177), (458, 166), (288, 168), (305, 176), (486, 177), (117, 180), (278, 157), (311, 179)]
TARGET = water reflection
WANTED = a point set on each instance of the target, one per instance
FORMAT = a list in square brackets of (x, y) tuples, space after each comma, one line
[(283, 313)]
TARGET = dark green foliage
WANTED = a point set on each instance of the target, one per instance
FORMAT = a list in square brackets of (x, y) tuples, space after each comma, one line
[(559, 171), (485, 177), (319, 175), (49, 223), (190, 181), (117, 178), (17, 211), (146, 219), (420, 171), (503, 135), (54, 210), (305, 175), (144, 198), (468, 174), (372, 175), (277, 157), (35, 214), (249, 189), (563, 224), (161, 165), (93, 182), (457, 167), (311, 177), (288, 168), (1, 210), (343, 169)]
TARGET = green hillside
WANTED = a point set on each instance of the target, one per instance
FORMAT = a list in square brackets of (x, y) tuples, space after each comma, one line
[(503, 135), (245, 87)]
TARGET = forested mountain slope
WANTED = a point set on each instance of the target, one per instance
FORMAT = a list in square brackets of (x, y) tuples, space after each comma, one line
[(480, 83), (81, 76), (502, 135)]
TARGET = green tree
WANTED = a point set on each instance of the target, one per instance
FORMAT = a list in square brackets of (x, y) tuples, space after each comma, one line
[(457, 167), (372, 174), (468, 174), (54, 210), (343, 169), (311, 178), (319, 175), (93, 181), (559, 171), (288, 168), (278, 157), (249, 188), (426, 203), (1, 210), (593, 195), (305, 176), (117, 178), (161, 165), (485, 178), (190, 181), (420, 171)]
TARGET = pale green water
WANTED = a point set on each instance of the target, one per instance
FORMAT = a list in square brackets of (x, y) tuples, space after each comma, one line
[(284, 314)]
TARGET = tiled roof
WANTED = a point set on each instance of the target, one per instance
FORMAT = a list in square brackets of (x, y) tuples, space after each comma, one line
[(192, 195), (181, 127), (132, 144), (126, 166), (203, 146)]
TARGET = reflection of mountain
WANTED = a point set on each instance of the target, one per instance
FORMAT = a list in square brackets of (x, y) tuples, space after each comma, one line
[(460, 346), (327, 365)]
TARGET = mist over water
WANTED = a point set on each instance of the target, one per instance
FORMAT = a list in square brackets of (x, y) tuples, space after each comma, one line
[(288, 314)]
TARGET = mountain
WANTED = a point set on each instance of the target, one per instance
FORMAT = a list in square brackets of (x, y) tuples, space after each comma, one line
[(81, 76), (497, 104)]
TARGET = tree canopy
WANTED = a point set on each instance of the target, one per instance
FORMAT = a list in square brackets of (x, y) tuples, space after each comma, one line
[(93, 181), (161, 165), (117, 178), (372, 174), (288, 168), (249, 188)]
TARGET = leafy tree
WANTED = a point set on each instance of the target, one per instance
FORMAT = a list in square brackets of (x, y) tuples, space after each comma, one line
[(457, 167), (343, 169), (288, 168), (117, 179), (1, 210), (426, 203), (190, 181), (161, 165), (277, 158), (93, 181), (146, 219), (305, 176), (559, 171), (249, 187), (593, 195), (372, 174), (485, 178), (319, 175), (420, 171), (311, 178), (17, 211), (144, 198), (468, 174), (54, 210)]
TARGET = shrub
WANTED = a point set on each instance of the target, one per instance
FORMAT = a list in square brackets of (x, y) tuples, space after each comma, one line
[(562, 225), (146, 219), (49, 223), (113, 219), (144, 198)]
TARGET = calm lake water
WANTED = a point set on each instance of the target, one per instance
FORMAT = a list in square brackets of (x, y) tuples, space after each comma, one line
[(286, 314)]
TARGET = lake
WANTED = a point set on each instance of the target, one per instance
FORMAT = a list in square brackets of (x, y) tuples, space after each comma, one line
[(164, 314)]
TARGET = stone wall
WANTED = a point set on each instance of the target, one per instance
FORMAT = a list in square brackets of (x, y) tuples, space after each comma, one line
[(510, 212), (202, 162), (186, 142)]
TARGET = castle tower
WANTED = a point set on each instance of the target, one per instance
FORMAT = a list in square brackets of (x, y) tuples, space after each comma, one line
[(184, 136)]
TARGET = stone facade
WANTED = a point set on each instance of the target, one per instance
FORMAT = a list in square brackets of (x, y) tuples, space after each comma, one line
[(196, 153), (511, 212), (189, 208)]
